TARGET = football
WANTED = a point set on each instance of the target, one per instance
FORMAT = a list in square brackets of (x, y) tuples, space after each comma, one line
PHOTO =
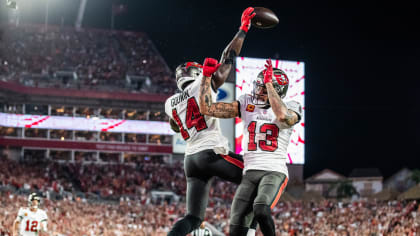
[(264, 18)]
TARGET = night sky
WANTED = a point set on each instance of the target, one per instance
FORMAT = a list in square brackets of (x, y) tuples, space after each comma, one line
[(362, 89)]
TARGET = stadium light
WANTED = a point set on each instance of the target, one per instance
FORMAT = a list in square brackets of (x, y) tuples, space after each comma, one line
[(11, 4)]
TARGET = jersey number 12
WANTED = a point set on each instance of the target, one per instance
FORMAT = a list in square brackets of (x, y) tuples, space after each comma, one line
[(31, 227)]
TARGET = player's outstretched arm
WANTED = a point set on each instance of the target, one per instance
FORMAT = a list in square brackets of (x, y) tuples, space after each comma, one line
[(279, 108), (233, 49), (207, 107)]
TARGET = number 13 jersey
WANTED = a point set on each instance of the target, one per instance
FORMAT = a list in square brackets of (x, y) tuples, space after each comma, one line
[(265, 139), (199, 131)]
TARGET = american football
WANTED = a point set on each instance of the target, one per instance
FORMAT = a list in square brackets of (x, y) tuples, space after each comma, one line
[(264, 18)]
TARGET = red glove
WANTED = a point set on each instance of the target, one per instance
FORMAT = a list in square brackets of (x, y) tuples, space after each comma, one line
[(210, 66), (247, 15), (268, 72)]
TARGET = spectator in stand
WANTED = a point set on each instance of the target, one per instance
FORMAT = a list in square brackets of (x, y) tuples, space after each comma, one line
[(134, 213), (140, 217), (87, 59)]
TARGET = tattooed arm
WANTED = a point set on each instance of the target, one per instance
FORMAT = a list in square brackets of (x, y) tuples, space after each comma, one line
[(219, 109), (279, 108)]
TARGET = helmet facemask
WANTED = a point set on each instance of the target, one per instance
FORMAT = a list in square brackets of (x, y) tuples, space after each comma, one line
[(34, 197), (259, 93), (187, 72)]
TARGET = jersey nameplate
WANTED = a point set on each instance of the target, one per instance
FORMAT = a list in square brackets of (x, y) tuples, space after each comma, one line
[(264, 118), (180, 98)]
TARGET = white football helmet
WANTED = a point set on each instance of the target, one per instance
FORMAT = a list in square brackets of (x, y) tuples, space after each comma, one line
[(32, 197), (188, 71)]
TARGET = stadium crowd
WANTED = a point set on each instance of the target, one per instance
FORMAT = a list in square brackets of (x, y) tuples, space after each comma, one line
[(91, 59), (79, 217), (127, 208), (107, 181)]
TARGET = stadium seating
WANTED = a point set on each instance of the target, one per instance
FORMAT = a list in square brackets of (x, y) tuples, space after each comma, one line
[(116, 199), (87, 59)]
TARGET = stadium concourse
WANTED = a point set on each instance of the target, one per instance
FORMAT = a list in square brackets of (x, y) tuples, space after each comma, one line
[(103, 189)]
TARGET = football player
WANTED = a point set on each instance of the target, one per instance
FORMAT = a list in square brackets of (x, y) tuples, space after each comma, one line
[(31, 220), (207, 152), (268, 125)]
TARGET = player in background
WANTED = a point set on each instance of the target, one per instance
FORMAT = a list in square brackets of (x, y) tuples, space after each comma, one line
[(268, 125), (206, 229), (207, 152), (31, 220)]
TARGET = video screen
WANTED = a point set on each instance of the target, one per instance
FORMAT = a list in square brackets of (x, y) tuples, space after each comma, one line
[(247, 70)]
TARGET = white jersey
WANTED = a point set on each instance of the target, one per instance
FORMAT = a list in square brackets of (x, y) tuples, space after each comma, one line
[(199, 131), (265, 138), (31, 222)]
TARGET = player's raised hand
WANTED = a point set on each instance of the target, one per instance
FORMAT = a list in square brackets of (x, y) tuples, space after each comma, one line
[(247, 15), (210, 66), (268, 72)]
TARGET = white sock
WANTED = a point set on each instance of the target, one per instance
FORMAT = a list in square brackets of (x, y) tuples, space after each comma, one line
[(251, 232)]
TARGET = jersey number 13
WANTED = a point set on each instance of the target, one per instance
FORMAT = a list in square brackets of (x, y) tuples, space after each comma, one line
[(264, 145)]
